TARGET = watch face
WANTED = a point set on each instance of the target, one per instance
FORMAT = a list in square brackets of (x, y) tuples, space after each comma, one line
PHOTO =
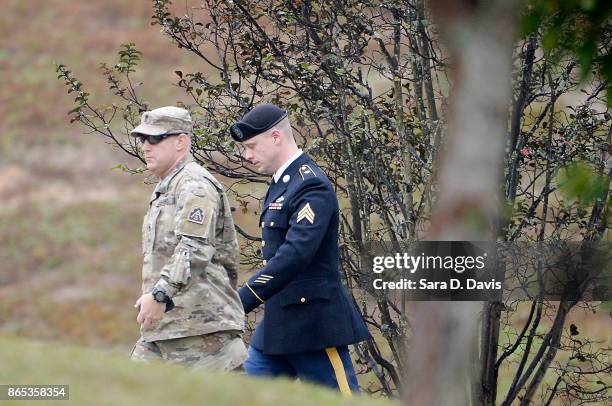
[(159, 296)]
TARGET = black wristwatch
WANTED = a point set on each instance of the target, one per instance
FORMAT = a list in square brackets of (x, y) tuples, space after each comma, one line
[(161, 296)]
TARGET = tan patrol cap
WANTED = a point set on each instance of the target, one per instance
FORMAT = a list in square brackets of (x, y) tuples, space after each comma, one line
[(164, 120)]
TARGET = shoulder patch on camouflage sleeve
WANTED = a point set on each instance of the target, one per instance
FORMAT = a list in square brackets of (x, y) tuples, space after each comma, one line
[(196, 215), (307, 172), (194, 219)]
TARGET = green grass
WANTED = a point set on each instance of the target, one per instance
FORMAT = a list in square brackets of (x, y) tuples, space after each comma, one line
[(80, 266), (105, 378), (43, 236)]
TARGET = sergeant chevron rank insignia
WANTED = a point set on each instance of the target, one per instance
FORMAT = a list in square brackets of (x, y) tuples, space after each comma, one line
[(306, 213), (196, 215)]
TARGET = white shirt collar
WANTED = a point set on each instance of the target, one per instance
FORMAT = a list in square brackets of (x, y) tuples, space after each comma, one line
[(280, 170)]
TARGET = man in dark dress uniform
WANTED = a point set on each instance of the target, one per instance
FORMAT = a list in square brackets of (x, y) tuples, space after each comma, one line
[(309, 319)]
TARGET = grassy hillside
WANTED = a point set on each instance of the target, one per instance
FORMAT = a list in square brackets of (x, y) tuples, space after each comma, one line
[(104, 378), (70, 225)]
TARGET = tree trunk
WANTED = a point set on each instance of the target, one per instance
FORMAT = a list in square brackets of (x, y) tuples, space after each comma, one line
[(479, 38)]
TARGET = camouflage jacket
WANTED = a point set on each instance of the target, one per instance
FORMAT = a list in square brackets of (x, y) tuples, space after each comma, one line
[(190, 251)]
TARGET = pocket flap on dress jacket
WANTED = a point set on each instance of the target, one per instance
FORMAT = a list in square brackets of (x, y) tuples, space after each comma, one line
[(305, 292), (276, 219)]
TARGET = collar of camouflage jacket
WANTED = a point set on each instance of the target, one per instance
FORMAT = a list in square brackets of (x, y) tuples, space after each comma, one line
[(162, 186)]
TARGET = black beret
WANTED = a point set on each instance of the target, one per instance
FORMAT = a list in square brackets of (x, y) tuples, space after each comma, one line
[(257, 121)]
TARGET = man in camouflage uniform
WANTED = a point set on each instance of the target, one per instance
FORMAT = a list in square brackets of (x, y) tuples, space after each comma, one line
[(190, 312)]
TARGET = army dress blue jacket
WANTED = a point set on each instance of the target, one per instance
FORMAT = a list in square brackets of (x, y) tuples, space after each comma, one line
[(306, 306)]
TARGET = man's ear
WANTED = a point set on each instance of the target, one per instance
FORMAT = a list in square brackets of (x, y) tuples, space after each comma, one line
[(276, 135), (183, 142)]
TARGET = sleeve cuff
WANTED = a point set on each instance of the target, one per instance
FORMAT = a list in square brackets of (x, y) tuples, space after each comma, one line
[(166, 287), (250, 300)]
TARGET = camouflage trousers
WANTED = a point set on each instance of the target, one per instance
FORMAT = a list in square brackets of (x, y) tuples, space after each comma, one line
[(220, 351)]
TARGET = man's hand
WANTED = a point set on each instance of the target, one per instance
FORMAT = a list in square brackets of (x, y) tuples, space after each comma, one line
[(150, 310)]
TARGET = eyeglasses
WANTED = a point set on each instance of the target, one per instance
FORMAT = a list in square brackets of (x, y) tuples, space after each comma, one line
[(153, 139)]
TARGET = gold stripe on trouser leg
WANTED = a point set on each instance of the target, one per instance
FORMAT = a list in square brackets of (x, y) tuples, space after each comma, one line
[(336, 362)]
